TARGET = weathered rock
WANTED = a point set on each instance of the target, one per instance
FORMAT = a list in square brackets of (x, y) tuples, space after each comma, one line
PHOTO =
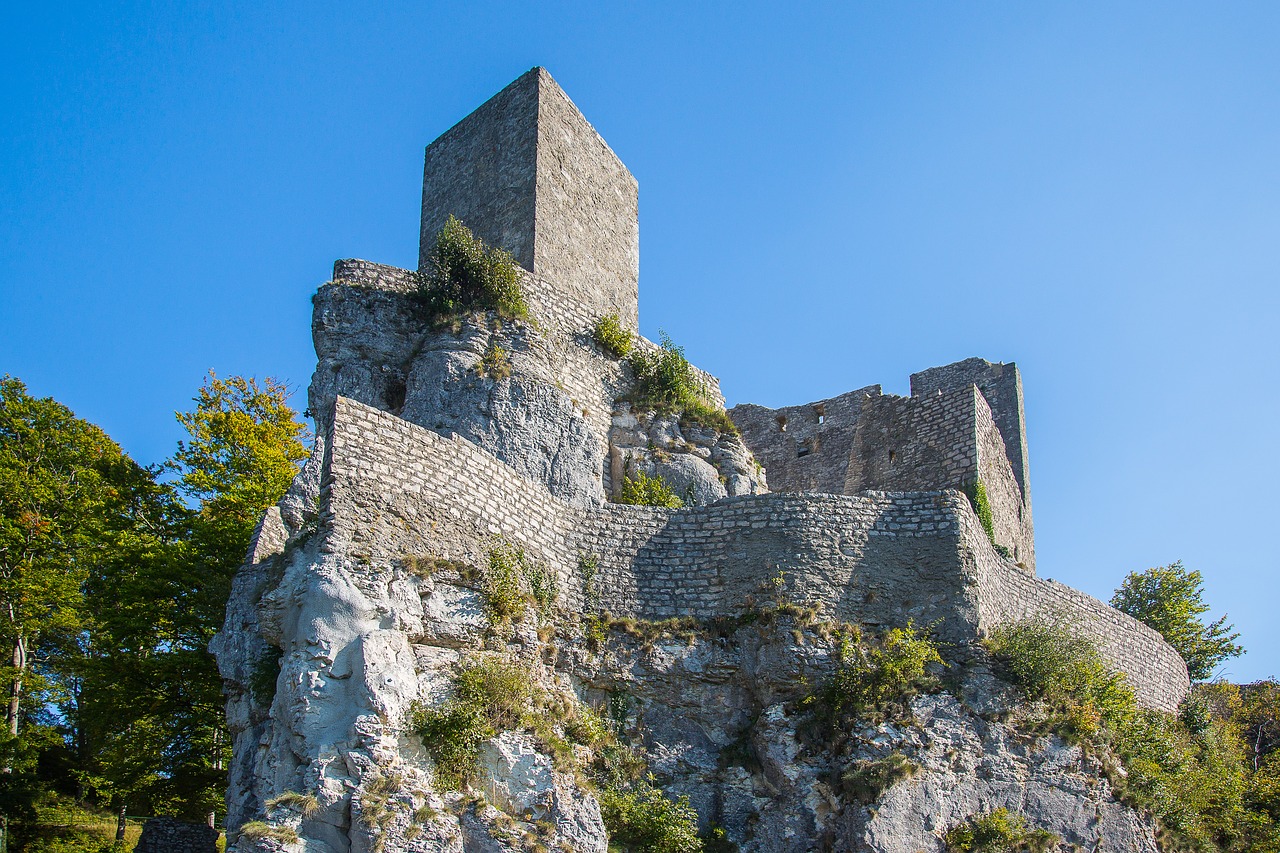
[(698, 464)]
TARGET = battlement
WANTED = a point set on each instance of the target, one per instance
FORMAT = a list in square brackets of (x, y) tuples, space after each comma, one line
[(527, 172)]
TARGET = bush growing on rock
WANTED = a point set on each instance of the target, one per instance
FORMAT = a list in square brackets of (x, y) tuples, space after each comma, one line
[(668, 384), (1193, 781), (639, 489), (462, 274), (869, 677), (998, 831), (643, 819), (489, 696)]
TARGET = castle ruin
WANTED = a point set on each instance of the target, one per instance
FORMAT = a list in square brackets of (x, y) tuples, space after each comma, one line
[(862, 504)]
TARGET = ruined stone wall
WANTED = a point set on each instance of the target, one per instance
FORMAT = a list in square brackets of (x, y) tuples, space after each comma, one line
[(528, 173), (1001, 386), (804, 448), (1011, 518), (1006, 595), (394, 490), (866, 440)]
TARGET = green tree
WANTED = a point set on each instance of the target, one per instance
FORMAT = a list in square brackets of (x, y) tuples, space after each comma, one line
[(1170, 600), (63, 502), (152, 703), (71, 502)]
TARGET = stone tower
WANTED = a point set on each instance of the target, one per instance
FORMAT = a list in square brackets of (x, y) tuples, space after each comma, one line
[(527, 172)]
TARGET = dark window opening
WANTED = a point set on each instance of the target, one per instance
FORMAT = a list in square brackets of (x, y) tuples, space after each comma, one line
[(821, 412), (782, 423), (892, 456), (804, 448)]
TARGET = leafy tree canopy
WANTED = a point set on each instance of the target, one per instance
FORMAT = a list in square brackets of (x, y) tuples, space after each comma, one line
[(1170, 600)]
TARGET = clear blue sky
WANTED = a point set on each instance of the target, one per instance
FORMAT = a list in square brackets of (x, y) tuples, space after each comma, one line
[(830, 197)]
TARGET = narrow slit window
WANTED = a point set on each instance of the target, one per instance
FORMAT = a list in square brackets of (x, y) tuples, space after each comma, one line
[(782, 423), (821, 412)]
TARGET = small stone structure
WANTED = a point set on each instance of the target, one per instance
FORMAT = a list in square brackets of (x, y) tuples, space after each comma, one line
[(170, 835), (422, 459)]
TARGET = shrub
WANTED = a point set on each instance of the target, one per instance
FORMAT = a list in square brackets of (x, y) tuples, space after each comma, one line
[(869, 677), (667, 383), (543, 587), (642, 819), (612, 337), (639, 489), (489, 696), (461, 275), (495, 363), (1191, 781), (998, 831), (504, 597), (1048, 663)]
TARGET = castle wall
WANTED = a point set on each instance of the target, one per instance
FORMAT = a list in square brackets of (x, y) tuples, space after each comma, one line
[(367, 337), (913, 443), (527, 172), (941, 438), (1001, 386), (1005, 595), (804, 448), (394, 490)]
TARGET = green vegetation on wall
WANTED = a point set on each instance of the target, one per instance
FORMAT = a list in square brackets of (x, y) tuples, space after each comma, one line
[(612, 337), (982, 507), (667, 383), (461, 275), (639, 489)]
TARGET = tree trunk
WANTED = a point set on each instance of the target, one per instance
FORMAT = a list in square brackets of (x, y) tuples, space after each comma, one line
[(120, 825), (15, 692)]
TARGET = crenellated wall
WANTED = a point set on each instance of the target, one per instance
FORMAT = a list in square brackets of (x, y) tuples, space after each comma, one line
[(394, 490)]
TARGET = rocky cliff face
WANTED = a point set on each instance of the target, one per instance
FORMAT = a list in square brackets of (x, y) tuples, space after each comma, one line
[(716, 712), (335, 648)]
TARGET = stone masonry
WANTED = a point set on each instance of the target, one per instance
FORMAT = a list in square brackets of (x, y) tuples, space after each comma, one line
[(962, 424)]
